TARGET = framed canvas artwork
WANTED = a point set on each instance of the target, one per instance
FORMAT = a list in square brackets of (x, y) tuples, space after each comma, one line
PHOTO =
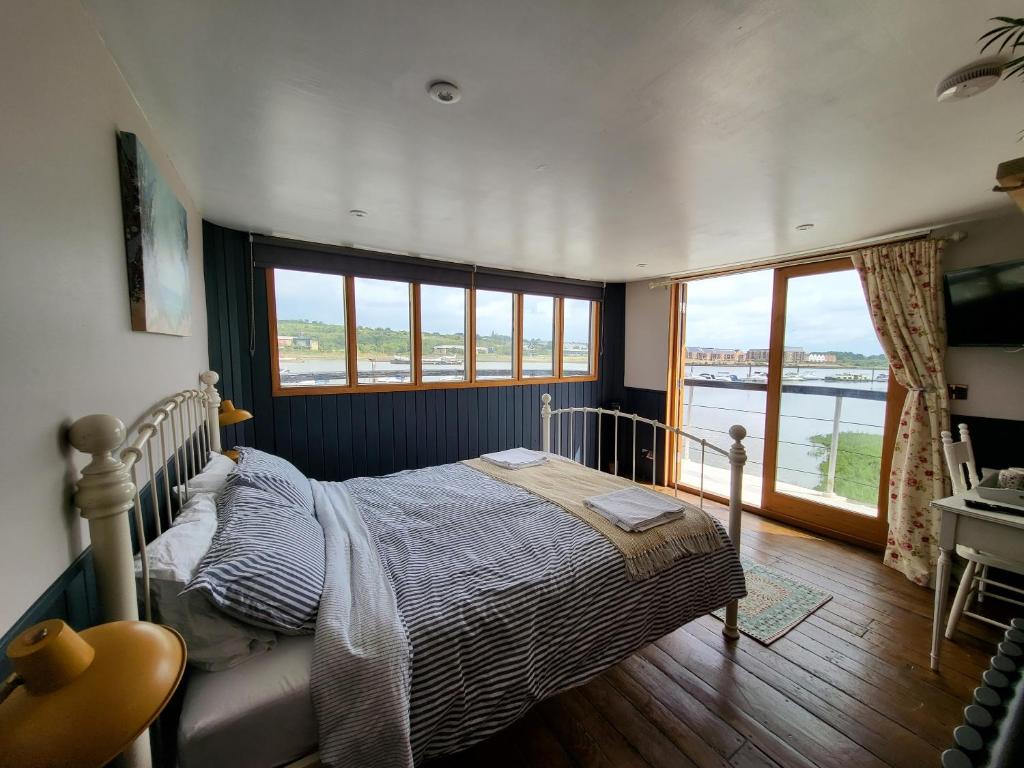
[(156, 242)]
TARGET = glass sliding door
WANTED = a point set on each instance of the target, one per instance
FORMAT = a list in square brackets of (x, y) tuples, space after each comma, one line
[(720, 377), (789, 353), (829, 398)]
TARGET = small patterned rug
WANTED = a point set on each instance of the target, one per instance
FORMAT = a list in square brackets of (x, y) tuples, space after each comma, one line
[(775, 603)]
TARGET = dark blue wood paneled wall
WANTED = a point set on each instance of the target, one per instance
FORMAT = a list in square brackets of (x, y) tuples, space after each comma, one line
[(71, 597), (649, 403), (334, 437)]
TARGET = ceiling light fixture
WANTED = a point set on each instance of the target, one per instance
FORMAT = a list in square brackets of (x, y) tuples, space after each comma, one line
[(358, 213), (641, 264), (444, 92), (804, 227)]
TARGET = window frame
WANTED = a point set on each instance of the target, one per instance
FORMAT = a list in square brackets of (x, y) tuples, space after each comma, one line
[(352, 338), (418, 384), (556, 336), (466, 325), (595, 335), (516, 363)]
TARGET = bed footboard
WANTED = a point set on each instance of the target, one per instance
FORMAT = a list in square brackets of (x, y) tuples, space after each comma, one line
[(671, 437)]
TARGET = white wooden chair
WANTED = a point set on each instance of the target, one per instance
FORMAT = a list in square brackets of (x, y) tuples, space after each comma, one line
[(975, 582)]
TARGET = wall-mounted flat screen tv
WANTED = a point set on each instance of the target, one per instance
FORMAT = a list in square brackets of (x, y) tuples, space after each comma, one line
[(985, 306)]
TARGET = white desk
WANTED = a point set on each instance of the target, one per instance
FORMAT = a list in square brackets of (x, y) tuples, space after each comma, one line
[(996, 533)]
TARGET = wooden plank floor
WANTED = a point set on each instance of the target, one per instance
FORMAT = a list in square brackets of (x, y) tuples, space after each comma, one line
[(848, 687)]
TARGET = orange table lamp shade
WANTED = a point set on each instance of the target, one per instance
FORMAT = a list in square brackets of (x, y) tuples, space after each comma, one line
[(81, 698), (230, 415)]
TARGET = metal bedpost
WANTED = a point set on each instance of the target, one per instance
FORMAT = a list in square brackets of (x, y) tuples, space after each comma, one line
[(210, 379), (104, 495), (737, 459), (545, 422)]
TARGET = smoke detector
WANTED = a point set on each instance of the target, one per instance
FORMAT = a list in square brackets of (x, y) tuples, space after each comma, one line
[(444, 92), (969, 81)]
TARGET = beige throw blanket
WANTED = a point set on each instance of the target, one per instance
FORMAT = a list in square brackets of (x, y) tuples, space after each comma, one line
[(646, 553)]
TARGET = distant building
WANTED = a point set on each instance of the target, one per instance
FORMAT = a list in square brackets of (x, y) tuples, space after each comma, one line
[(299, 342), (450, 349), (790, 356), (576, 346), (820, 357), (714, 355)]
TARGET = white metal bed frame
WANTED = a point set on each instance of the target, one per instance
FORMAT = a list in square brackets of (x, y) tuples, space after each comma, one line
[(108, 488)]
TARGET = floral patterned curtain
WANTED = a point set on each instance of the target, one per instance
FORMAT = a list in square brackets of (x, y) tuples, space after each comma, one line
[(903, 287)]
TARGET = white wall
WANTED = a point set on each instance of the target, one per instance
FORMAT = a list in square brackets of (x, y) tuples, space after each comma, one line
[(646, 336), (995, 377), (66, 348)]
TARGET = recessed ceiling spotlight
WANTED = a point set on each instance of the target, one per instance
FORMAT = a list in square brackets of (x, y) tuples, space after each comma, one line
[(641, 264), (357, 212), (444, 92), (804, 227), (969, 81)]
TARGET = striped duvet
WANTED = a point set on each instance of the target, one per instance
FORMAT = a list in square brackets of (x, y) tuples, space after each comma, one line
[(486, 600)]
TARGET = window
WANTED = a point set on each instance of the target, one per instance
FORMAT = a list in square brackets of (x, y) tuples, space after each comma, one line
[(578, 337), (443, 333), (341, 333), (538, 337), (311, 338), (383, 332), (495, 329)]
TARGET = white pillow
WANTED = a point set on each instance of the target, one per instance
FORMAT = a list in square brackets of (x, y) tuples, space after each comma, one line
[(211, 479), (215, 641)]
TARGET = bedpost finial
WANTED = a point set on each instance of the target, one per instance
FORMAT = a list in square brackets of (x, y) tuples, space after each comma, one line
[(105, 488), (210, 379), (737, 432), (98, 434), (545, 398)]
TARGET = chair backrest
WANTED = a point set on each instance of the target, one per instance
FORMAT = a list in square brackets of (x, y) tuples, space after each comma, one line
[(958, 456)]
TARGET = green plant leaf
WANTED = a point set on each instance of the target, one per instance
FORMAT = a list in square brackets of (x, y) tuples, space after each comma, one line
[(1003, 33)]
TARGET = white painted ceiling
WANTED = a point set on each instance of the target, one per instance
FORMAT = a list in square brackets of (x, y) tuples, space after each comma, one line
[(591, 136)]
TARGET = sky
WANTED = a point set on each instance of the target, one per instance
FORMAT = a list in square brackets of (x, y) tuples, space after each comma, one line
[(385, 304), (823, 312)]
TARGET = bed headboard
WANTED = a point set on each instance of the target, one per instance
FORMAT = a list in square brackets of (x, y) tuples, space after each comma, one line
[(131, 470)]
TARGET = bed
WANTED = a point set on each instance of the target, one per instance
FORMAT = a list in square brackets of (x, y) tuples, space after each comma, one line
[(484, 594)]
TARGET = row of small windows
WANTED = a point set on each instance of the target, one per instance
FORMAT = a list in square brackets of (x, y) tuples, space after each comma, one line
[(345, 333)]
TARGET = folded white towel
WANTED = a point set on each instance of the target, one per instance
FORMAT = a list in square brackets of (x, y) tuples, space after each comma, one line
[(516, 458), (637, 509)]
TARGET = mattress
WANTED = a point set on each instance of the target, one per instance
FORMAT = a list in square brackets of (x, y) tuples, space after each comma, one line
[(256, 714)]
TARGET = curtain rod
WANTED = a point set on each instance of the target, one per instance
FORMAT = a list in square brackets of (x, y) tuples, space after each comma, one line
[(807, 257)]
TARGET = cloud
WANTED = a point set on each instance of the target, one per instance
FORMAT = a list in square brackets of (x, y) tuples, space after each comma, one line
[(823, 312)]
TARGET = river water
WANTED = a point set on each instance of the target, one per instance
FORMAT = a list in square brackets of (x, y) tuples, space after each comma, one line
[(709, 412)]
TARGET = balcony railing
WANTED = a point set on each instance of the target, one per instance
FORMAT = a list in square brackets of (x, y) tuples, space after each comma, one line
[(698, 418)]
